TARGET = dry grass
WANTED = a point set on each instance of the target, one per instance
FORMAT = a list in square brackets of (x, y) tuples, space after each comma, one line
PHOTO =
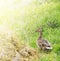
[(11, 49)]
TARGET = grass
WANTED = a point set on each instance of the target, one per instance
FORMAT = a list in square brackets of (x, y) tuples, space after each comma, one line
[(26, 19)]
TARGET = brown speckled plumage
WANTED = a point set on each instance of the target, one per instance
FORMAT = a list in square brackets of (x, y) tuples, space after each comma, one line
[(42, 43)]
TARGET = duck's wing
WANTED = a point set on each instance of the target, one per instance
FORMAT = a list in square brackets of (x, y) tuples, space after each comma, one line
[(45, 42)]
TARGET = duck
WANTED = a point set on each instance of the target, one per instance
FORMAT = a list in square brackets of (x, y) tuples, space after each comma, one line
[(43, 44)]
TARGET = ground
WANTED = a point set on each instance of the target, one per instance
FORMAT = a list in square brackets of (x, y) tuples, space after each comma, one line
[(24, 17)]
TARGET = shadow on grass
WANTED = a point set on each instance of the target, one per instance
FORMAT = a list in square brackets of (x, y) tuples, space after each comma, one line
[(45, 51)]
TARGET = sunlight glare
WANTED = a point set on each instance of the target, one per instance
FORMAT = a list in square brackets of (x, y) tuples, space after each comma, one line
[(9, 10), (25, 2)]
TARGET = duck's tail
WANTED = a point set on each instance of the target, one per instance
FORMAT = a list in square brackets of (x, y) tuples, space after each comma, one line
[(48, 48)]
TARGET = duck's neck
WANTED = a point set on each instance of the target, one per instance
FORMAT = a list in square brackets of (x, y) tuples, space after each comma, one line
[(40, 35)]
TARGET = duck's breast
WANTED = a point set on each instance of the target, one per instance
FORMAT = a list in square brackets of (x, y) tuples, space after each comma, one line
[(39, 43)]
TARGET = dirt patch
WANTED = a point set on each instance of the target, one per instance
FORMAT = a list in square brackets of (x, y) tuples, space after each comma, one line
[(11, 49)]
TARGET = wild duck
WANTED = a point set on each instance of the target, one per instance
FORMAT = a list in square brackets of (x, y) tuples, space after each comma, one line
[(42, 43)]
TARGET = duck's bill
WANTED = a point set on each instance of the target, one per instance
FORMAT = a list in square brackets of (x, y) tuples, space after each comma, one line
[(48, 47)]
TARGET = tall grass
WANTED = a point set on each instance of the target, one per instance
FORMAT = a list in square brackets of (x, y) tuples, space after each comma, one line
[(24, 20)]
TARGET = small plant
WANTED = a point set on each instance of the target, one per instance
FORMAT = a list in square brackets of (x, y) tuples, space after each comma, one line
[(53, 24)]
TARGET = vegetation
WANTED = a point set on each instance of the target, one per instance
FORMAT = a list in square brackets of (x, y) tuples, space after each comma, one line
[(23, 18)]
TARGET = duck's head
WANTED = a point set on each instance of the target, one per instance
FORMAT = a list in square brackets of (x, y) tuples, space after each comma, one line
[(39, 30)]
